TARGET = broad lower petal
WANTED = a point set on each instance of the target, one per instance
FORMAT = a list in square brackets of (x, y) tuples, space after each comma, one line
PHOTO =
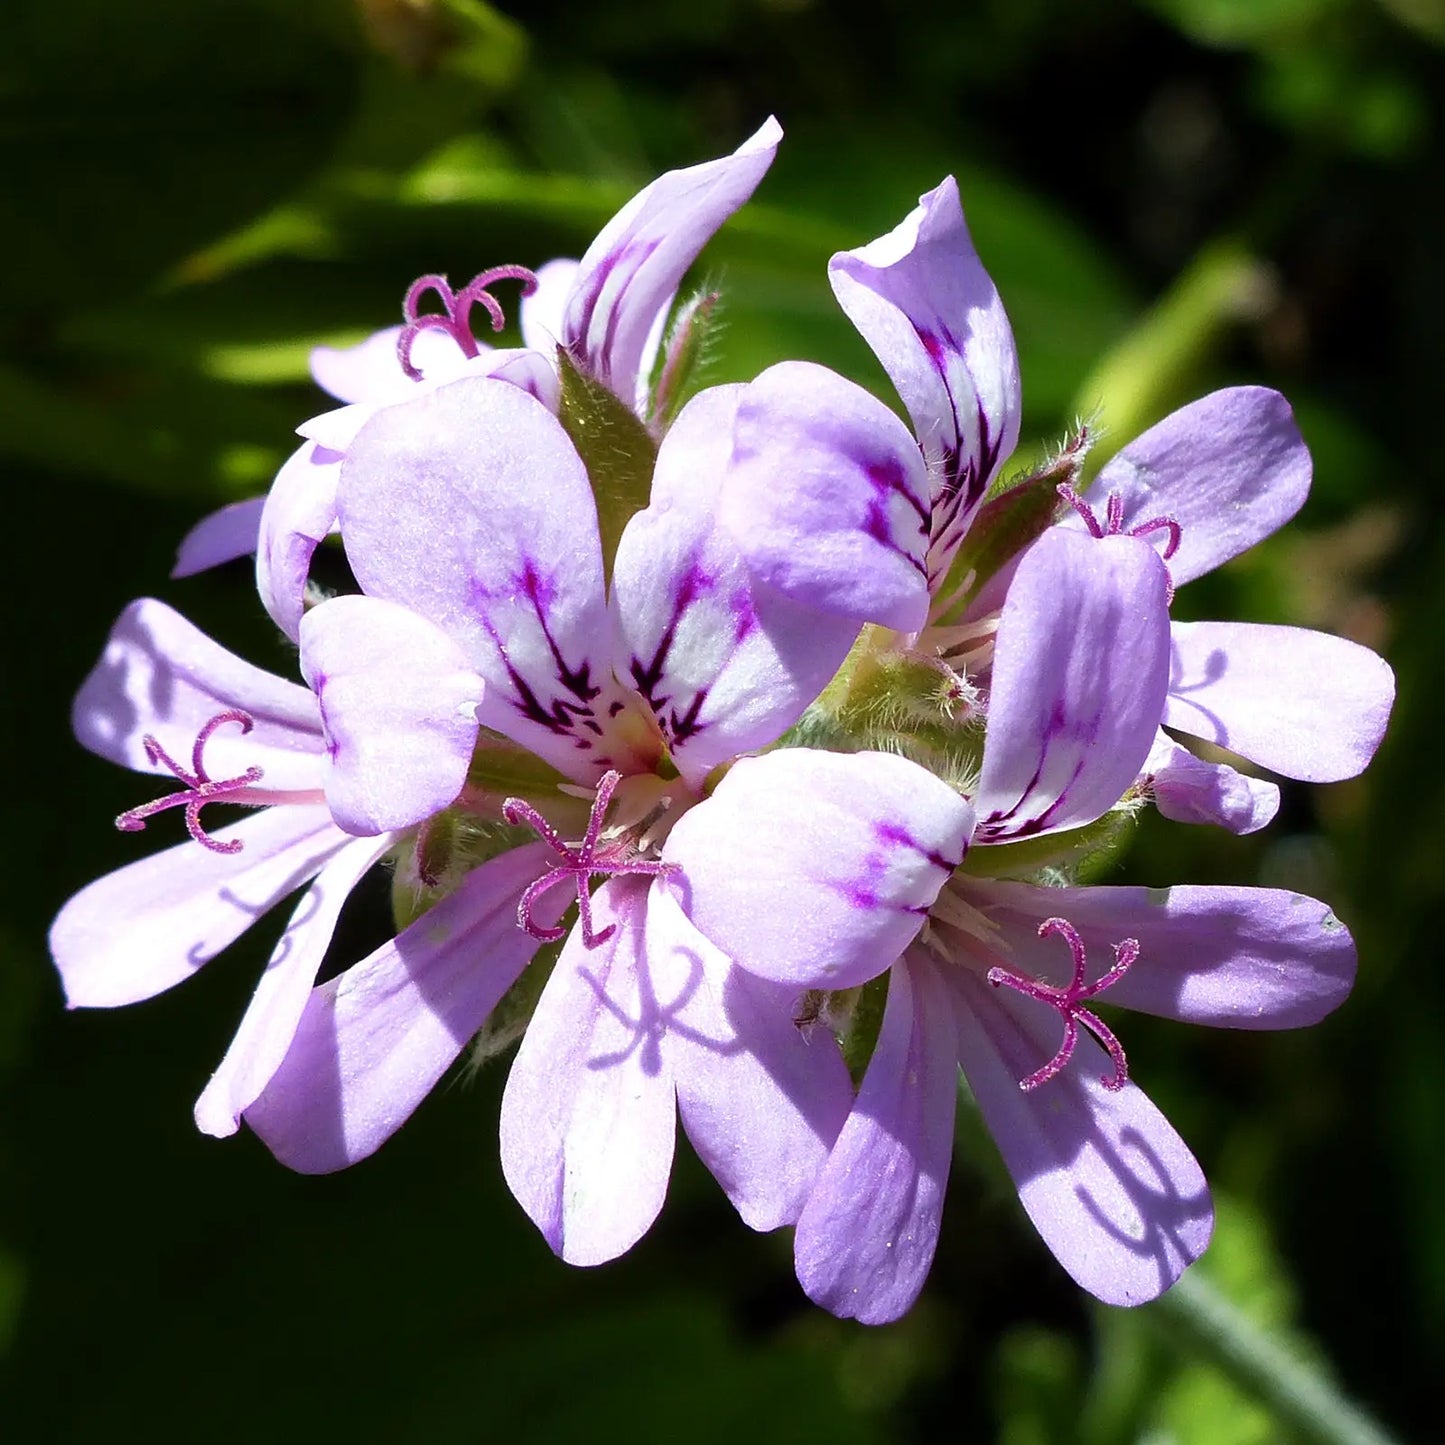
[(1304, 704), (297, 514), (817, 869), (726, 663), (641, 254), (827, 496), (1189, 790), (1080, 670), (373, 1042), (222, 536), (1229, 468), (588, 1121), (866, 1237), (1113, 1190), (398, 705), (161, 676), (270, 1021), (144, 928)]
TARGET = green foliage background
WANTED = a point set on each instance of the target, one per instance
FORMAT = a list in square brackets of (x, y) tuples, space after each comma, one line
[(1172, 195)]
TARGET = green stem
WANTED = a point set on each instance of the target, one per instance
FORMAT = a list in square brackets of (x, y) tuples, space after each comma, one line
[(1196, 1315)]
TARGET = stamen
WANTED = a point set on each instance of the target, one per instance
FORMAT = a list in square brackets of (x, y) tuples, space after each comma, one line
[(588, 860), (200, 787), (456, 321), (1069, 1004), (1113, 525)]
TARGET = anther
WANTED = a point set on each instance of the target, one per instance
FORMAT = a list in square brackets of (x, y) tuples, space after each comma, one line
[(455, 319), (200, 787), (1069, 1003), (588, 860)]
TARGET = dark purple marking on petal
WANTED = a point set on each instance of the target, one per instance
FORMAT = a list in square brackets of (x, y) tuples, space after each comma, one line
[(887, 479), (1081, 731), (863, 891), (631, 258), (677, 724)]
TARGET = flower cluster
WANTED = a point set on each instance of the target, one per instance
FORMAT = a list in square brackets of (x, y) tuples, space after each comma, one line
[(735, 751)]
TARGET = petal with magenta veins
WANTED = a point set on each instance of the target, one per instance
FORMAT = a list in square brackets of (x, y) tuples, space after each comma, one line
[(827, 496), (270, 1021), (815, 868), (146, 927), (297, 514), (1229, 468), (1243, 958), (630, 271), (398, 705), (222, 536), (588, 1119), (162, 676), (1189, 790), (923, 301), (1113, 1190), (373, 1042), (866, 1237), (726, 663), (540, 312), (1305, 704), (761, 1102), (470, 506), (1080, 669)]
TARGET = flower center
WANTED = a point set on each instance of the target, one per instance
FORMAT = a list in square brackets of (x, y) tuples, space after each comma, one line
[(455, 318), (1113, 524), (200, 787), (1069, 1003), (593, 857)]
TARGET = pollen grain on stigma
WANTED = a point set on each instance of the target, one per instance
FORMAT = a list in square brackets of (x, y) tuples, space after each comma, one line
[(200, 787), (1069, 1003), (455, 320), (591, 858)]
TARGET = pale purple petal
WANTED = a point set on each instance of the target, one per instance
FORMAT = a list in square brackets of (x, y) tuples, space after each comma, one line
[(923, 302), (1113, 1190), (470, 506), (162, 676), (1229, 468), (828, 497), (726, 663), (297, 514), (1243, 958), (270, 1021), (373, 1042), (588, 1122), (371, 370), (1080, 669), (867, 1235), (146, 927), (398, 705), (641, 254), (221, 536), (1301, 703), (541, 313), (816, 868), (1189, 790), (761, 1102)]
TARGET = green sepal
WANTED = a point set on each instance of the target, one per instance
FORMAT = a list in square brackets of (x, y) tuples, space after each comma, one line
[(1057, 858), (500, 767), (861, 1036), (687, 346), (444, 851), (616, 448)]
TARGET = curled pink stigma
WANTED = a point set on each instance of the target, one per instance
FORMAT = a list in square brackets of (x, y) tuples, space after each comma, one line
[(1113, 523), (200, 787), (580, 864), (456, 316), (1069, 1002)]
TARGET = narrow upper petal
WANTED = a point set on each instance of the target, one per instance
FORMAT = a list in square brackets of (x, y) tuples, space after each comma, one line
[(398, 704), (1080, 669), (1229, 468), (867, 1235), (221, 536), (470, 506), (1189, 790), (270, 1021), (1244, 958), (761, 1103), (1301, 703), (828, 497), (146, 927), (641, 254), (726, 663), (923, 302), (161, 676), (816, 868), (541, 313), (1113, 1190), (588, 1122), (297, 514), (371, 370), (372, 1043)]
